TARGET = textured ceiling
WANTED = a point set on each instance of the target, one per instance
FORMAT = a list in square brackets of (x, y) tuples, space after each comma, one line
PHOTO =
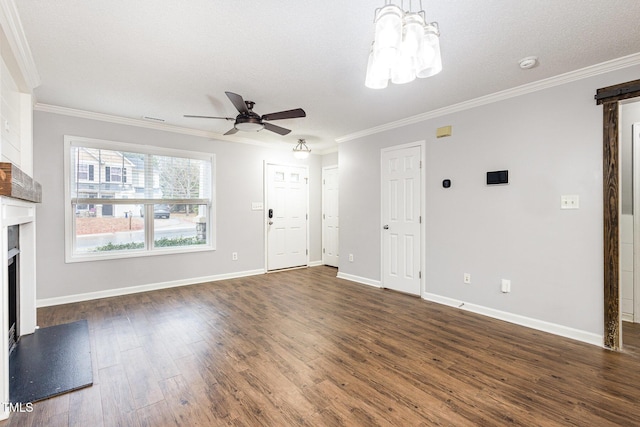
[(166, 58)]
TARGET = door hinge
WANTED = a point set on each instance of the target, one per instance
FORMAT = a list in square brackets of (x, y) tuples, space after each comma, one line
[(419, 274), (324, 251), (420, 164), (307, 216), (324, 181), (307, 251), (324, 216), (420, 219)]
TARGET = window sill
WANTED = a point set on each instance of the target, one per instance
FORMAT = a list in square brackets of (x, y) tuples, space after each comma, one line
[(136, 253)]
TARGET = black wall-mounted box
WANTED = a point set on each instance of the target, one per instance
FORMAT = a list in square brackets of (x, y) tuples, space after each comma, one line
[(498, 177)]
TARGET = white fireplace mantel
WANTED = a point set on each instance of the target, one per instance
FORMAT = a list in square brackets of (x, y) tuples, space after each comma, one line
[(18, 78), (16, 212)]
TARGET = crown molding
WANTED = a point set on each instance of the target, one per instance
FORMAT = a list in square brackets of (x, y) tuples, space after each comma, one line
[(48, 108), (83, 114), (583, 73), (13, 30)]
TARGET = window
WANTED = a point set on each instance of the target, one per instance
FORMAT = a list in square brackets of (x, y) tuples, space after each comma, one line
[(115, 174), (126, 200), (85, 172)]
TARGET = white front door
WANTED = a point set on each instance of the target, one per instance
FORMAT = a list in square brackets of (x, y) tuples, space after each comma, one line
[(401, 221), (286, 211), (330, 226)]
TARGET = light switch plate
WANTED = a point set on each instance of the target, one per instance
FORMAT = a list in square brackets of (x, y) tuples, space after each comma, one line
[(570, 201)]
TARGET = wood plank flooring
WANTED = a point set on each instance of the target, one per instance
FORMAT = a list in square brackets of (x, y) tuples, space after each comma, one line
[(302, 348)]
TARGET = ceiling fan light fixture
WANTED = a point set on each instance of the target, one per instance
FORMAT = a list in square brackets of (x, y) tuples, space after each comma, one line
[(249, 125), (249, 121), (301, 151)]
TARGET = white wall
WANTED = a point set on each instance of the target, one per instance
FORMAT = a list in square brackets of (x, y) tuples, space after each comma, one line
[(551, 143), (330, 159), (239, 181)]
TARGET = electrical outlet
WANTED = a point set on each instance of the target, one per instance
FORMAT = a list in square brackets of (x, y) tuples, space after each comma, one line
[(350, 257), (505, 286), (234, 256), (570, 201), (467, 278)]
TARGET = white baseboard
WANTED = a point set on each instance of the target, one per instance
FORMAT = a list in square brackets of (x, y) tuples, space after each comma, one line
[(358, 279), (564, 331), (46, 302), (315, 263), (626, 317)]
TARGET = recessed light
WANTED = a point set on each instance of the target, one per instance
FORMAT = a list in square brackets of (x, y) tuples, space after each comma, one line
[(528, 62)]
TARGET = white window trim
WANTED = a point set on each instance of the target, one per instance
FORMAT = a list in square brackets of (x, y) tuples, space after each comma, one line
[(69, 214)]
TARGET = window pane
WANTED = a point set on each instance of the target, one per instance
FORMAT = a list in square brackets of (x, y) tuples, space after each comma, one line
[(181, 178), (179, 225), (95, 233), (104, 173)]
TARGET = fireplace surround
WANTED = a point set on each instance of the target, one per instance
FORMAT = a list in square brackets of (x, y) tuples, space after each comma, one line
[(15, 212)]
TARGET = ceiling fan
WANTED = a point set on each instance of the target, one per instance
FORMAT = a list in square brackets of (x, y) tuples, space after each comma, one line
[(249, 121)]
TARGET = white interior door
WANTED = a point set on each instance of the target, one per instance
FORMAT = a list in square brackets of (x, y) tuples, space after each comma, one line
[(286, 216), (330, 226), (401, 221)]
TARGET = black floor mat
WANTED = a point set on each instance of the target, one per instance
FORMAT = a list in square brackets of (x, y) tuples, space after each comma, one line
[(49, 362)]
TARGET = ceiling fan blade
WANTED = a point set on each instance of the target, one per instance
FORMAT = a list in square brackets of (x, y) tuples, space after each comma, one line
[(238, 102), (276, 129), (208, 117), (289, 114), (231, 131)]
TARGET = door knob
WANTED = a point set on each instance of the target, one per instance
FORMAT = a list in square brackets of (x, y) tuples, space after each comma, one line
[(386, 227)]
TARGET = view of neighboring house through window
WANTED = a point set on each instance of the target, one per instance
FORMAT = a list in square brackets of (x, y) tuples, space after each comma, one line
[(129, 200)]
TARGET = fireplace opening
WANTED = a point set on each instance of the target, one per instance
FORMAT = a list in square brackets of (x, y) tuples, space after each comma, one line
[(14, 286)]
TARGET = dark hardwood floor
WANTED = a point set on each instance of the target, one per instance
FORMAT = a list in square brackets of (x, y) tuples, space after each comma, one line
[(302, 348)]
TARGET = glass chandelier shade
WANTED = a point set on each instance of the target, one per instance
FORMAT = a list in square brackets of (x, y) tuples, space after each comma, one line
[(430, 60), (377, 75), (404, 47), (301, 150), (388, 34)]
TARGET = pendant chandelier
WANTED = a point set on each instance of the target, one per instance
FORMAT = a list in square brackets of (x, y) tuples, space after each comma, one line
[(404, 47), (301, 151)]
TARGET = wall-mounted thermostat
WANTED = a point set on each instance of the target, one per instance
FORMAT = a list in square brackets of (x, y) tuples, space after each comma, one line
[(498, 177)]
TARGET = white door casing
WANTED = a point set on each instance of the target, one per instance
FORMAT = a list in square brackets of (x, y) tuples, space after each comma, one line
[(401, 199), (636, 222), (330, 223), (286, 216)]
